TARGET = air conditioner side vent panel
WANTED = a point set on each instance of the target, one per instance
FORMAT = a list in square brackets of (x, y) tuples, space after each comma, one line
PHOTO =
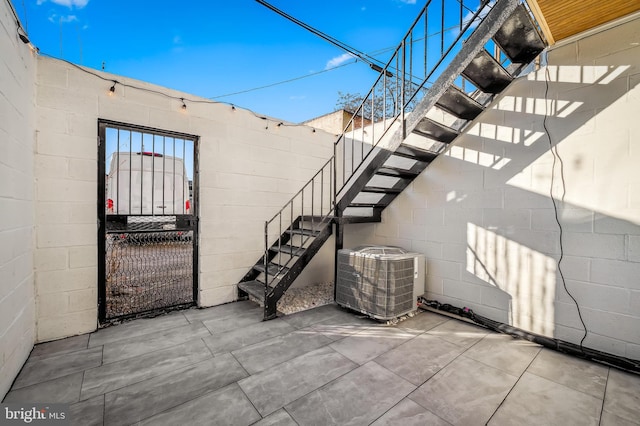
[(381, 282)]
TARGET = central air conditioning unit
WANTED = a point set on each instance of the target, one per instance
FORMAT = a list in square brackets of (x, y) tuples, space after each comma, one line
[(382, 282)]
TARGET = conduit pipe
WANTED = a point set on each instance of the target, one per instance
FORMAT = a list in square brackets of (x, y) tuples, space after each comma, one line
[(467, 314)]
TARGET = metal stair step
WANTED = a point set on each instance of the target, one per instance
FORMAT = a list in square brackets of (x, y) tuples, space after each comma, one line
[(344, 220), (487, 74), (302, 231), (254, 288), (434, 130), (317, 220), (458, 103), (368, 205), (381, 190), (272, 281), (315, 224), (308, 217), (414, 153), (273, 269), (396, 172), (285, 248), (518, 37)]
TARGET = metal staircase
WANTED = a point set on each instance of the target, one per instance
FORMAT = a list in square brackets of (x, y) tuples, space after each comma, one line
[(414, 120)]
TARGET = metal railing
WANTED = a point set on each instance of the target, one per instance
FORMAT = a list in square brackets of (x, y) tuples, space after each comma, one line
[(314, 203), (404, 80), (147, 220), (440, 27)]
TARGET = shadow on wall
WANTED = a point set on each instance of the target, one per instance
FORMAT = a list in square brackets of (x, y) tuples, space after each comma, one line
[(489, 227)]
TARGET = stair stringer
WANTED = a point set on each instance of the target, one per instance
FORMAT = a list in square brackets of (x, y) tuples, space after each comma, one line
[(476, 42), (276, 292), (494, 20)]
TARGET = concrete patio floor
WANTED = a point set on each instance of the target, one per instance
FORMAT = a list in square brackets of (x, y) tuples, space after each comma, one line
[(224, 366)]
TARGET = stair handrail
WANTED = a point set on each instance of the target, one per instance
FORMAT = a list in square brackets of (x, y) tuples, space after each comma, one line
[(324, 211), (404, 94), (407, 97)]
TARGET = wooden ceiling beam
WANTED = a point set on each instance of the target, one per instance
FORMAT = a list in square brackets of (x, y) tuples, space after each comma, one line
[(560, 19), (537, 13)]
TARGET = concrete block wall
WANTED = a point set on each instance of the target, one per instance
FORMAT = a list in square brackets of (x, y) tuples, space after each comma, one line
[(249, 167), (483, 216), (17, 118)]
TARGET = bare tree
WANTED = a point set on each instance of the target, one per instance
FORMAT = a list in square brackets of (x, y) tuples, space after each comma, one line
[(383, 102)]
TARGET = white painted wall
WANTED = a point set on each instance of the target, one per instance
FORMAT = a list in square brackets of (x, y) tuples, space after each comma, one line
[(17, 118), (483, 216), (249, 167)]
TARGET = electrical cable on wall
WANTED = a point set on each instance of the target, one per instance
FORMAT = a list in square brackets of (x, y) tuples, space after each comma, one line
[(558, 159), (20, 30), (15, 15), (611, 360), (182, 100)]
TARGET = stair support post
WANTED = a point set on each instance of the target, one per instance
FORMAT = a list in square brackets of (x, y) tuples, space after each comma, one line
[(266, 267), (403, 89), (339, 242), (270, 307)]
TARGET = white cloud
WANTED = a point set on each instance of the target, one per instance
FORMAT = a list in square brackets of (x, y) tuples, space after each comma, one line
[(69, 18), (178, 45), (62, 19), (334, 62), (469, 15), (466, 19), (78, 4), (72, 3), (408, 1)]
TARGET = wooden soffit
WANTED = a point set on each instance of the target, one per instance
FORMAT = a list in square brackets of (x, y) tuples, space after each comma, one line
[(560, 19)]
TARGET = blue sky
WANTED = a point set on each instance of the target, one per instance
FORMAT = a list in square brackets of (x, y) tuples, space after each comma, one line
[(212, 48)]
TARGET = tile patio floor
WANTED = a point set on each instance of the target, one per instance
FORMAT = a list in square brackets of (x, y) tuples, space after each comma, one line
[(223, 366)]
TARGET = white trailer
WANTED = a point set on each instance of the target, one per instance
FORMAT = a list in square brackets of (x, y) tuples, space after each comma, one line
[(147, 184)]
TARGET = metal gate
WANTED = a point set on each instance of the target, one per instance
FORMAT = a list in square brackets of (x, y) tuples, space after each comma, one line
[(148, 222)]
